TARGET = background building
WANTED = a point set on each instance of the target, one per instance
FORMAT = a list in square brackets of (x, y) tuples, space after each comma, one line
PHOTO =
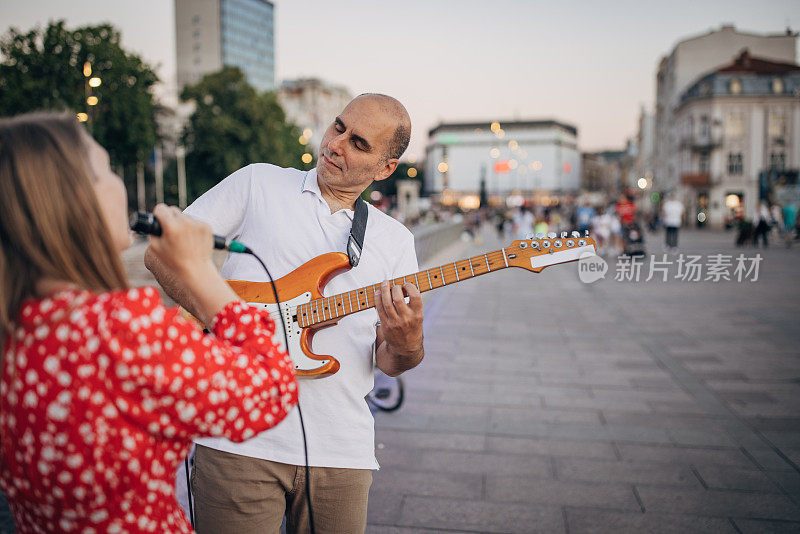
[(312, 104), (513, 156), (690, 59), (236, 33), (739, 138)]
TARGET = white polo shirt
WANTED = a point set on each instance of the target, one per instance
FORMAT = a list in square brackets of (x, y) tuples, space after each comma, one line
[(281, 215)]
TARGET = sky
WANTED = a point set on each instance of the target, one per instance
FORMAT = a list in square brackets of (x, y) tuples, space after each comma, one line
[(588, 63)]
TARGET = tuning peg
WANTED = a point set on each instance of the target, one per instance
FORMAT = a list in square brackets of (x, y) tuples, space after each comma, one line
[(586, 233), (563, 235), (540, 235), (576, 234), (551, 235)]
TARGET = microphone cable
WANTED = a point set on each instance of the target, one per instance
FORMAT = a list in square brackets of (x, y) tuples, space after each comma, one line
[(248, 250), (146, 223)]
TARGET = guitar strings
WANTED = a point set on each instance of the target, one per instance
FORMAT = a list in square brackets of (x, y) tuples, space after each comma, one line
[(317, 303)]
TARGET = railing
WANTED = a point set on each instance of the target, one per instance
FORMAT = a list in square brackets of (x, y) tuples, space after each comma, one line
[(430, 239)]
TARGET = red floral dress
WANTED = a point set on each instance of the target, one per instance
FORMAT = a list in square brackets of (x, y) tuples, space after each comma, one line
[(101, 395)]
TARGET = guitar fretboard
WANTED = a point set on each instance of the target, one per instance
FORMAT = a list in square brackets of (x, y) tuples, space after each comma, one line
[(337, 306)]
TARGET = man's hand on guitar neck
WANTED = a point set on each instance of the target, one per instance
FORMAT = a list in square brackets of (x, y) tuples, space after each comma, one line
[(399, 336)]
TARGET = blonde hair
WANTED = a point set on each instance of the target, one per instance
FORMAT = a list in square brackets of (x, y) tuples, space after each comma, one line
[(51, 225)]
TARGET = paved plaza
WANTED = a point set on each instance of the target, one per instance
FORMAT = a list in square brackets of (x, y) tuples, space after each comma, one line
[(548, 405)]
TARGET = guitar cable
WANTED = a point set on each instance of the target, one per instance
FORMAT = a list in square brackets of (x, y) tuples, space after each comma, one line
[(146, 223), (248, 250)]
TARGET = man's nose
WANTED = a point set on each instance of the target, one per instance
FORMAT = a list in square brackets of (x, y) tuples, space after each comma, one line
[(336, 144)]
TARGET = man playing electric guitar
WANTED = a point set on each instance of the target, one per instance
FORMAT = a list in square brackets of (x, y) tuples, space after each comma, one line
[(288, 217)]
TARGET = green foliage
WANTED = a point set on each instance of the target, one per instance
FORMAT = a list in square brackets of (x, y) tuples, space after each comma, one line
[(43, 70), (232, 126)]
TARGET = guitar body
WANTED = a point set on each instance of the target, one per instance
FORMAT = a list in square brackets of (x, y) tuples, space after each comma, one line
[(298, 287)]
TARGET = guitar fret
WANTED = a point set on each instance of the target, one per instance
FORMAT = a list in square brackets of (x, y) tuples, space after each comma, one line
[(456, 269), (470, 267), (488, 269), (350, 301), (441, 270), (504, 256), (430, 285), (417, 279)]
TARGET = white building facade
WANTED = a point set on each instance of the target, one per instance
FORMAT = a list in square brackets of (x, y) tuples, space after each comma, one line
[(312, 104), (511, 156), (690, 59), (739, 138)]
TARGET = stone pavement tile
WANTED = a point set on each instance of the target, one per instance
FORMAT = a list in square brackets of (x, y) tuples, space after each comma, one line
[(560, 493), (743, 398), (718, 503), (793, 454), (418, 439), (660, 420), (701, 438), (788, 439), (684, 455), (641, 434), (624, 472), (756, 526), (396, 456), (682, 407), (774, 423), (770, 459), (480, 516), (729, 478), (383, 507), (435, 461), (490, 398), (789, 481), (384, 529), (642, 394), (550, 447), (523, 416), (570, 400), (603, 522), (405, 481)]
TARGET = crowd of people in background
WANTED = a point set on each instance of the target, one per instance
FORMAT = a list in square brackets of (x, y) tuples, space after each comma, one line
[(618, 226), (766, 220)]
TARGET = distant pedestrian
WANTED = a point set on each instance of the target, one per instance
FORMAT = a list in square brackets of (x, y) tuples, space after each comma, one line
[(672, 217), (761, 224), (584, 213), (789, 213)]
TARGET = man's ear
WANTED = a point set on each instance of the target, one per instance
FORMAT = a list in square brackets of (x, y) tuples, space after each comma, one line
[(388, 169)]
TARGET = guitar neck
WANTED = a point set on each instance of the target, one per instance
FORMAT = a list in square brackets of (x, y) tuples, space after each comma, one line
[(337, 306)]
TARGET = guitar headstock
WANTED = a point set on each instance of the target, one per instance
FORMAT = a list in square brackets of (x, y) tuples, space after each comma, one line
[(540, 250)]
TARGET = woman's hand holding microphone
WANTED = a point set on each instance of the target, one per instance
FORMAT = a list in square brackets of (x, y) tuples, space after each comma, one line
[(185, 248)]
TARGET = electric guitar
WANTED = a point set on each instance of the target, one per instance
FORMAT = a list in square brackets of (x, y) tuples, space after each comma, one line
[(304, 310)]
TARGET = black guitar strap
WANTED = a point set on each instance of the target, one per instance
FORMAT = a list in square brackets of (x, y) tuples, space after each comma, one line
[(356, 241)]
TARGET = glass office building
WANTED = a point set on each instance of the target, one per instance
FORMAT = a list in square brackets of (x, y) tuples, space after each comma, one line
[(238, 33), (247, 39)]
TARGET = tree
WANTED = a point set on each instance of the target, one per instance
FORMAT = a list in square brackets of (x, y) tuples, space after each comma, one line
[(44, 70), (234, 125)]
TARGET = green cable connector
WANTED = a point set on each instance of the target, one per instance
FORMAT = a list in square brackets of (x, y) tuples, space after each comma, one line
[(235, 246)]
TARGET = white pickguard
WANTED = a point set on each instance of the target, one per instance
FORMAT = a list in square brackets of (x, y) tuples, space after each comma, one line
[(293, 331)]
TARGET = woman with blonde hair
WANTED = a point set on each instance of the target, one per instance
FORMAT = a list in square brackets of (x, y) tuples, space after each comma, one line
[(102, 387)]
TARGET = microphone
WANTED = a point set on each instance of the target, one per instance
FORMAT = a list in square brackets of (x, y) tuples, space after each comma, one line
[(145, 223)]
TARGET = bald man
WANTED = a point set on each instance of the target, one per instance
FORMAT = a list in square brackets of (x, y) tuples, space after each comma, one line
[(288, 217)]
